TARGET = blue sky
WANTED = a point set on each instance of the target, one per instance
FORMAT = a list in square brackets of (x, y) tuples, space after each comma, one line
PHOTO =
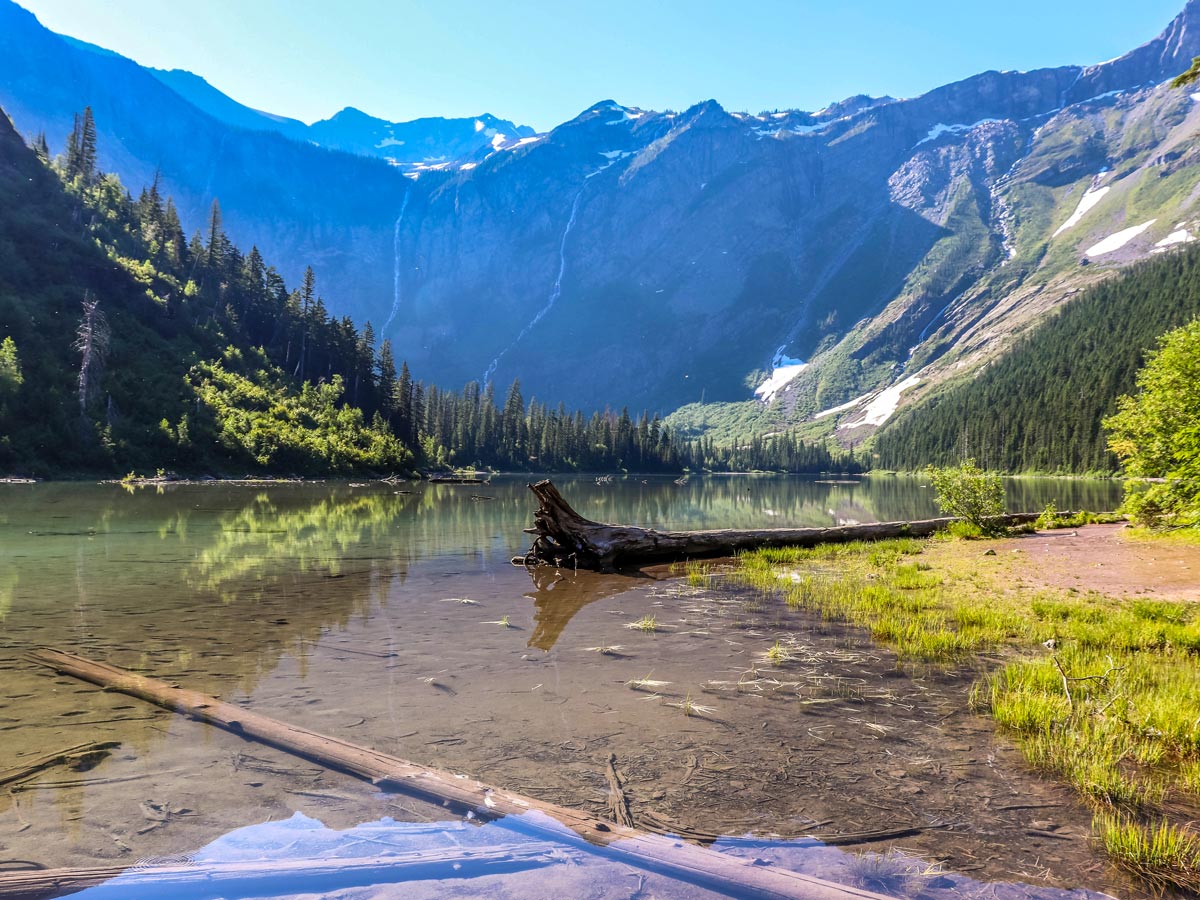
[(540, 62)]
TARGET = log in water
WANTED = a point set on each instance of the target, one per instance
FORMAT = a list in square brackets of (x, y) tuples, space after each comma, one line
[(651, 852), (565, 538)]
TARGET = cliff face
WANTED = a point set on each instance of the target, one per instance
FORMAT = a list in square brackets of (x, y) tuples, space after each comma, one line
[(658, 258)]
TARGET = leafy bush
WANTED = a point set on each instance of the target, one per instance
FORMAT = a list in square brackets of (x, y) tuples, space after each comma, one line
[(966, 491), (1156, 433)]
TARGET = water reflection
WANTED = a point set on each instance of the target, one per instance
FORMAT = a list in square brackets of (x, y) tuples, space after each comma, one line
[(558, 595), (247, 573), (301, 856)]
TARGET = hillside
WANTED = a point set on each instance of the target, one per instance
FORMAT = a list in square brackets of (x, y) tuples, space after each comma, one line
[(1040, 407), (166, 370)]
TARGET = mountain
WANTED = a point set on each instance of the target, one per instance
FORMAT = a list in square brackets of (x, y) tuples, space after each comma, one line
[(223, 108), (298, 203), (859, 255), (417, 144)]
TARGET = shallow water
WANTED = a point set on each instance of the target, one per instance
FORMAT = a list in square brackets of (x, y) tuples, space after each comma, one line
[(344, 609)]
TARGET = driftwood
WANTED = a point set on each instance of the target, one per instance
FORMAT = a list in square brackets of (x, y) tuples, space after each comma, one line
[(81, 758), (271, 877), (668, 856), (564, 538)]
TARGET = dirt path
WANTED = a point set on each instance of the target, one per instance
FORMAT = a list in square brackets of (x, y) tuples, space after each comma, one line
[(1109, 559)]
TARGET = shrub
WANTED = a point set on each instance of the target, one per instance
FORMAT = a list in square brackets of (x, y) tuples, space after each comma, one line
[(970, 493)]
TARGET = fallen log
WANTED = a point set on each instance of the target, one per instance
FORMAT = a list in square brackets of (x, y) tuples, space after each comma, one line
[(81, 757), (271, 877), (564, 538), (667, 856)]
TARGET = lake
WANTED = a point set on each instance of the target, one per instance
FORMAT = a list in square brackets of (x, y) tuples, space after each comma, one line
[(389, 615)]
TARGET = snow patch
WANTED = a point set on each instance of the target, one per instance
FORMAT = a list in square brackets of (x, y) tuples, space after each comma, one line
[(389, 142), (1182, 236), (1089, 199), (498, 140), (467, 167), (479, 126), (881, 407), (780, 377), (849, 404), (940, 128), (783, 369), (626, 114), (1103, 96), (1195, 98), (1118, 240)]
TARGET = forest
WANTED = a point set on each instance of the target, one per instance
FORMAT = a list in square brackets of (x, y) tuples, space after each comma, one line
[(1041, 407), (128, 346)]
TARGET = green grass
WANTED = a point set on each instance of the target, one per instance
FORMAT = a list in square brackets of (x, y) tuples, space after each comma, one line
[(1163, 855), (1101, 692), (697, 573), (648, 624)]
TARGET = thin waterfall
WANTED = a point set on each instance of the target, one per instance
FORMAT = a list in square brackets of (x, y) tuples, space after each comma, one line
[(396, 266), (555, 293)]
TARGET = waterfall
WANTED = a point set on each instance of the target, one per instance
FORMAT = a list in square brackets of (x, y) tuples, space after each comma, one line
[(395, 267), (555, 292)]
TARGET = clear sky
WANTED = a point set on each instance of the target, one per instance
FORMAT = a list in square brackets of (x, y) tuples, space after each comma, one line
[(539, 62)]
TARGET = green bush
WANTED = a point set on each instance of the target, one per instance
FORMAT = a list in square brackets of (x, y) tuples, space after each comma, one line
[(1156, 433), (966, 491)]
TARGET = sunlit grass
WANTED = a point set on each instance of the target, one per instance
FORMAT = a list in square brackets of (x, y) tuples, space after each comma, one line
[(1163, 855), (698, 574), (1101, 692), (646, 683), (646, 623)]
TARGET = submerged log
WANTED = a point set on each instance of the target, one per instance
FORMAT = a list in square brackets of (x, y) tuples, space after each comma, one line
[(270, 877), (564, 538), (81, 758), (651, 852)]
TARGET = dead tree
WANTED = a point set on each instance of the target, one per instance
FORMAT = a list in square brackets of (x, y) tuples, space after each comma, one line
[(565, 538), (91, 340)]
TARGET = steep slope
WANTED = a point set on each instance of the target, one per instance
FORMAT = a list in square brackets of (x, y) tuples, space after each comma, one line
[(202, 95), (159, 374), (1109, 175), (299, 203), (1040, 407)]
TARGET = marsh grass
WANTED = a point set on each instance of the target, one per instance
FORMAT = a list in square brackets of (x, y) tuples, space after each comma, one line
[(697, 573), (691, 708), (1163, 855), (646, 623), (1101, 692), (896, 873), (646, 683)]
